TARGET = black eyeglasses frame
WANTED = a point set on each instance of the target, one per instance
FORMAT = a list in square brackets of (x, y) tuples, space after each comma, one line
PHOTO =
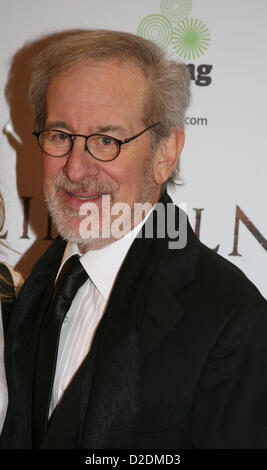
[(72, 136)]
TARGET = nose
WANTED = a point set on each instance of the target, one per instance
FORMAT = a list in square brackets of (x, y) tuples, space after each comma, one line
[(80, 165)]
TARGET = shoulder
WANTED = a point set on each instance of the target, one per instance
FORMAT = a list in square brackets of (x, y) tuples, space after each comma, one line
[(223, 278), (47, 265), (43, 272), (217, 292), (208, 273), (40, 280), (51, 257)]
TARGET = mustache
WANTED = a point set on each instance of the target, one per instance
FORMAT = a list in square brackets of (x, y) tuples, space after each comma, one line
[(61, 182)]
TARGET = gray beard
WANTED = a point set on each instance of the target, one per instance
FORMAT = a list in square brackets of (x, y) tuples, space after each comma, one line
[(62, 216)]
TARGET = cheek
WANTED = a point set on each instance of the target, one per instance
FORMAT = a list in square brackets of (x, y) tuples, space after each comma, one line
[(127, 178), (52, 168), (128, 171)]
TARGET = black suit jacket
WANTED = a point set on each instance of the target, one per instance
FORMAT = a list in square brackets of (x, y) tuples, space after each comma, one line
[(180, 354)]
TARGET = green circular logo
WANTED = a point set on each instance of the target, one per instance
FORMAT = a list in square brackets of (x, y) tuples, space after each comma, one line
[(191, 38), (157, 29), (175, 10)]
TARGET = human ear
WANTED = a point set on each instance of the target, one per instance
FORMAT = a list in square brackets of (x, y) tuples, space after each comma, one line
[(167, 155)]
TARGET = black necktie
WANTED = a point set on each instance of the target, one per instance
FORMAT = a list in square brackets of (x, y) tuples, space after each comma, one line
[(71, 278)]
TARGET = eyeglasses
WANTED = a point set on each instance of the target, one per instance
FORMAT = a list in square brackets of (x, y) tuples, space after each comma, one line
[(102, 147)]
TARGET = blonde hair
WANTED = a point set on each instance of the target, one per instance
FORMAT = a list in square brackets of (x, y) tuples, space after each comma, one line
[(2, 212), (169, 90), (4, 292)]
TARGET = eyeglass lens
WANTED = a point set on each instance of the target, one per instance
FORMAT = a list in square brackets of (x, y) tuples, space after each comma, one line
[(58, 144)]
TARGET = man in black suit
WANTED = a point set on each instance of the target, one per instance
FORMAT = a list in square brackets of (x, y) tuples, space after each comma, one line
[(164, 344)]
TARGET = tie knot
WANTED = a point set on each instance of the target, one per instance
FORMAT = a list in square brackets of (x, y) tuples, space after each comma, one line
[(72, 276)]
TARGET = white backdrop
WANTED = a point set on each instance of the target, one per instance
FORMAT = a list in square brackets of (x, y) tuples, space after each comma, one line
[(224, 162)]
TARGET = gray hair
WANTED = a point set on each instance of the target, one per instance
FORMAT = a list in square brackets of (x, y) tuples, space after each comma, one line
[(169, 80)]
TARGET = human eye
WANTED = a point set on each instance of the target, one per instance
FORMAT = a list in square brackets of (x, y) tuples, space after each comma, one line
[(58, 137), (105, 140), (102, 146), (54, 141), (101, 142)]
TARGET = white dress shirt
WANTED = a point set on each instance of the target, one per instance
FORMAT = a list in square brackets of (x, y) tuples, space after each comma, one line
[(88, 307)]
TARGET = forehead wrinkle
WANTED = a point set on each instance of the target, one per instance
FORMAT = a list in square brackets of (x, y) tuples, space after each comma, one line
[(137, 100), (97, 129), (59, 124)]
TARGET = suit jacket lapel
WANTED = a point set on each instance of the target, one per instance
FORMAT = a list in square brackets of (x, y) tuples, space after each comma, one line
[(163, 312), (175, 270)]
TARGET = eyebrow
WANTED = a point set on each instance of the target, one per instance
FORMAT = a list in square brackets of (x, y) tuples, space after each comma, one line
[(110, 128), (98, 129), (56, 124)]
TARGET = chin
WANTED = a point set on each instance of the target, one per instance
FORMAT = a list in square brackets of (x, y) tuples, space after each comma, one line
[(84, 244), (67, 222)]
